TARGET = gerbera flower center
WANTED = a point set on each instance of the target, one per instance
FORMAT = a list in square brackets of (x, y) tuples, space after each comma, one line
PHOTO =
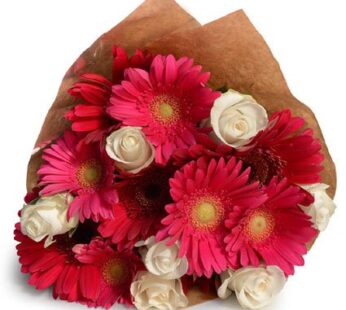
[(83, 235), (264, 165), (260, 225), (147, 196), (115, 271), (89, 173), (165, 109), (206, 212)]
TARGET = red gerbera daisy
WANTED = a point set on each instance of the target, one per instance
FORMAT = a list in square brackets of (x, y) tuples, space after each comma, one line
[(275, 232), (121, 62), (167, 102), (89, 115), (56, 265), (140, 208), (85, 172), (204, 192), (112, 272), (282, 150)]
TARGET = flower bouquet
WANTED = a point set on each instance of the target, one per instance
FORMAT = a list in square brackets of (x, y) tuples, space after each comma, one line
[(174, 167)]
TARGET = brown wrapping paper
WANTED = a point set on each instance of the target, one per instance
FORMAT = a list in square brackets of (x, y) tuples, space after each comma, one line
[(230, 48)]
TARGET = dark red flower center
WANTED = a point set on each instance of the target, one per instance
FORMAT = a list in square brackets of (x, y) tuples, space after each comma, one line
[(83, 235), (115, 271), (264, 165), (147, 196)]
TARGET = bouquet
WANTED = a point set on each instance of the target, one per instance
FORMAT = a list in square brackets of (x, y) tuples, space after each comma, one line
[(174, 167)]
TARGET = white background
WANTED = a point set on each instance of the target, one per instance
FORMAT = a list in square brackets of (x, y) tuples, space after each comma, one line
[(40, 40)]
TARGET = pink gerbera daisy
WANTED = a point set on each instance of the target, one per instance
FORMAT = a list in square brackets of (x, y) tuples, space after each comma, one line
[(282, 150), (56, 265), (275, 233), (140, 208), (85, 172), (204, 192), (167, 102), (111, 272)]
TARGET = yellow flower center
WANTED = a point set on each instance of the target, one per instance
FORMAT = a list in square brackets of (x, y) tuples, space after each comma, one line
[(115, 271), (260, 225), (165, 109), (206, 213), (89, 173)]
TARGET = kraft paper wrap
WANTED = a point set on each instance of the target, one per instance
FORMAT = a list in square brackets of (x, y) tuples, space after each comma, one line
[(230, 48)]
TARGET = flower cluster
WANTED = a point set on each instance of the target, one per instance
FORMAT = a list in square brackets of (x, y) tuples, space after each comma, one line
[(161, 183)]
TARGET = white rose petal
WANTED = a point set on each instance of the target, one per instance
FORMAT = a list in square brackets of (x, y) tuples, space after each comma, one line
[(163, 260), (322, 208), (255, 288), (152, 292), (130, 149), (225, 290), (236, 118), (47, 217)]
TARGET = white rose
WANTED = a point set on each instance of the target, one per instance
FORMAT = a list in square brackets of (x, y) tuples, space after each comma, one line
[(256, 287), (130, 149), (225, 289), (236, 118), (163, 260), (322, 208), (152, 292), (47, 217)]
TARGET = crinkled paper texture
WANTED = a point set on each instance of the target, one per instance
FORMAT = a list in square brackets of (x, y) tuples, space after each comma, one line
[(230, 48)]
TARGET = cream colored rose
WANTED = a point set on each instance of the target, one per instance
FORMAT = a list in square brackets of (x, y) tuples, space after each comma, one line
[(256, 287), (163, 260), (130, 149), (236, 118), (152, 292), (47, 217), (322, 208), (225, 289)]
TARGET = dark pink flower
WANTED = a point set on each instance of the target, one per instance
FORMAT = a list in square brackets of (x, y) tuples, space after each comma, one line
[(86, 172), (274, 233), (167, 103), (204, 193)]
